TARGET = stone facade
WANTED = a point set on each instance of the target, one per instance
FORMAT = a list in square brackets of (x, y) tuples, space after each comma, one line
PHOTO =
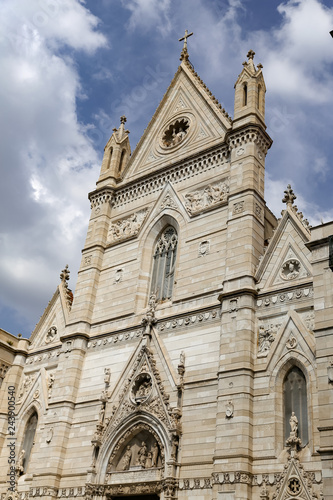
[(187, 396)]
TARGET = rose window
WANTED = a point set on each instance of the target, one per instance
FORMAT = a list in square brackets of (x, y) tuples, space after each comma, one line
[(175, 133)]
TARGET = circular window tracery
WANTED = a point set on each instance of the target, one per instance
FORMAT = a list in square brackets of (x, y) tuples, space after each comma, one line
[(294, 486), (175, 133)]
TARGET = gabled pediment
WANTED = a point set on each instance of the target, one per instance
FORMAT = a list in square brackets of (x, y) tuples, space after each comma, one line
[(188, 120), (145, 386), (287, 259), (294, 483), (51, 324), (35, 388), (290, 336)]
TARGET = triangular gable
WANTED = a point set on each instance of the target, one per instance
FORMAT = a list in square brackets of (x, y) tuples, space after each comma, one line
[(292, 336), (167, 200), (35, 388), (287, 259), (187, 98), (52, 323), (141, 388), (294, 483)]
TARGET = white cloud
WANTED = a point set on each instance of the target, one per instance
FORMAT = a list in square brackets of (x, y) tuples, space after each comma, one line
[(46, 155), (149, 14)]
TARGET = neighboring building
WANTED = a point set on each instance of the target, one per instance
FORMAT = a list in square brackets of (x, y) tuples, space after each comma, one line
[(196, 359)]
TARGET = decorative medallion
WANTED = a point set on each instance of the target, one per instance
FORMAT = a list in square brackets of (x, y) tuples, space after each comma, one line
[(141, 389), (204, 248), (51, 335), (290, 269)]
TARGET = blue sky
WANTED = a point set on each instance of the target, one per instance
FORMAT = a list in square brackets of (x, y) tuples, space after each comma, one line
[(70, 69)]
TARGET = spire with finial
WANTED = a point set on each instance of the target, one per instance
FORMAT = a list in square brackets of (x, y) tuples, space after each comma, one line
[(116, 154), (64, 275), (289, 196), (184, 53)]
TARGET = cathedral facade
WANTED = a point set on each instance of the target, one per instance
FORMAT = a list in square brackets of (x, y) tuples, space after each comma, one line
[(195, 358)]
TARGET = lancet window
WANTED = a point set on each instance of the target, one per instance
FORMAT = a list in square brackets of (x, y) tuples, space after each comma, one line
[(164, 264), (295, 402), (28, 442)]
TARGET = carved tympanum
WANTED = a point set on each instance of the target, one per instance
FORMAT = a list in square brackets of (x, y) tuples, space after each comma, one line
[(141, 452)]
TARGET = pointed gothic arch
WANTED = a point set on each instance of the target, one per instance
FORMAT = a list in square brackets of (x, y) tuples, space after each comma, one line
[(281, 370), (164, 263), (295, 401), (28, 438), (152, 228), (133, 431)]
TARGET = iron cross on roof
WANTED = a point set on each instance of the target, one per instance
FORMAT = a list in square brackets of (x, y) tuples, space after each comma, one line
[(187, 34)]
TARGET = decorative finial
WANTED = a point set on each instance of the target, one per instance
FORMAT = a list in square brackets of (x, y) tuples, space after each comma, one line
[(250, 54), (289, 196), (184, 53), (64, 275), (123, 119)]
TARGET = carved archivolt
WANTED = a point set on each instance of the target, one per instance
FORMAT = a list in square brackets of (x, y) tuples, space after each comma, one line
[(205, 198), (127, 227)]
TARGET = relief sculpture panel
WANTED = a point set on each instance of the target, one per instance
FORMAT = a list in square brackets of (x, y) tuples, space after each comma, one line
[(207, 197)]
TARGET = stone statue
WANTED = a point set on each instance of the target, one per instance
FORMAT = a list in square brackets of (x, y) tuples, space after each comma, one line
[(50, 383), (126, 461), (107, 375), (142, 455), (154, 455), (101, 415), (148, 463), (293, 424), (20, 462)]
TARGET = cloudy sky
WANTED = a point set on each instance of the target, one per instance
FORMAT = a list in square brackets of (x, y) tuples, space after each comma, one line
[(71, 68)]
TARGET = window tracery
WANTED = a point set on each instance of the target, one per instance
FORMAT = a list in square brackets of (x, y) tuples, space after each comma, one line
[(164, 264)]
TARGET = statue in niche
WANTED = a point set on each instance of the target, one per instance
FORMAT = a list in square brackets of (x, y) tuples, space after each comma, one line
[(126, 461), (154, 455), (142, 455), (293, 425)]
